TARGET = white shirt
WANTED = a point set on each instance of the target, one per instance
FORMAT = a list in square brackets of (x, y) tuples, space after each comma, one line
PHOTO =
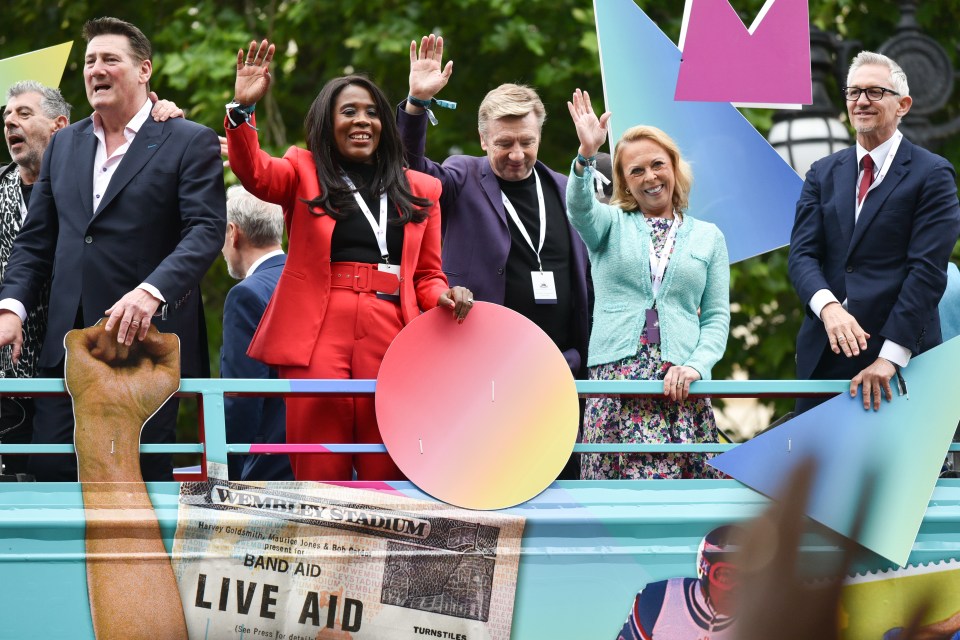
[(103, 170), (882, 158), (261, 260)]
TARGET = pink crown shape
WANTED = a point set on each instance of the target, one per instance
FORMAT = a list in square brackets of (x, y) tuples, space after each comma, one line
[(723, 61)]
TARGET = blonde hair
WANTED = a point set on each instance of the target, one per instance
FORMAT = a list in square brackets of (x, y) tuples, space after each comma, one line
[(510, 100), (682, 173)]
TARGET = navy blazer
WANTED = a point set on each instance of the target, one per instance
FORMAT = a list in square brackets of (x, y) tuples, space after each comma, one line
[(476, 238), (161, 221), (252, 420), (890, 265)]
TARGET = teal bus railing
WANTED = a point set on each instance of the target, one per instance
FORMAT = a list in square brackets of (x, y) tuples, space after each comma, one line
[(210, 394)]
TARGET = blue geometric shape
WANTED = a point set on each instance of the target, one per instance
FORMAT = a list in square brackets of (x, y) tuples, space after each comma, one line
[(740, 183), (899, 450)]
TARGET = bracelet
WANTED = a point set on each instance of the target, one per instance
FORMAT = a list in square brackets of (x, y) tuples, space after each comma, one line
[(245, 111), (586, 162), (426, 104)]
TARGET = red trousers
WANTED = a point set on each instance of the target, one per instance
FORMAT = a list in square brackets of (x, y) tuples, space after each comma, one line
[(355, 334)]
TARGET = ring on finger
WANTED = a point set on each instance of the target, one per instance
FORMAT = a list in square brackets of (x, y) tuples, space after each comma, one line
[(841, 339)]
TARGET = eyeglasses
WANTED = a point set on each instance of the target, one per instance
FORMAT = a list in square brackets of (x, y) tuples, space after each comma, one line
[(874, 94)]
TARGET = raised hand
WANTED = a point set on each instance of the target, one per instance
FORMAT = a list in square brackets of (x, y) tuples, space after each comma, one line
[(427, 73), (253, 72), (115, 389), (591, 130), (132, 380)]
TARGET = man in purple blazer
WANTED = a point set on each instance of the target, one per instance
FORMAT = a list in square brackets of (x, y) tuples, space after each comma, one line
[(505, 230)]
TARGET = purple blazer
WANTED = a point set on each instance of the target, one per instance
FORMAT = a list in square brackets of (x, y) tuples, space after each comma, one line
[(476, 238)]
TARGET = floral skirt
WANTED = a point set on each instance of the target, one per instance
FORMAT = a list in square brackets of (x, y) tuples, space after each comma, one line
[(645, 419)]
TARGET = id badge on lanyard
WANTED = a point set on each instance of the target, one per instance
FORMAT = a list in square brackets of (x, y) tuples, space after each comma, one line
[(544, 287), (658, 267), (380, 231)]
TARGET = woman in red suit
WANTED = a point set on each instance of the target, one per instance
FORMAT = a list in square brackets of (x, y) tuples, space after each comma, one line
[(364, 255)]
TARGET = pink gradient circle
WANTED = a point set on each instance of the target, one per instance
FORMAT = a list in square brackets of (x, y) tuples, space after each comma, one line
[(481, 415)]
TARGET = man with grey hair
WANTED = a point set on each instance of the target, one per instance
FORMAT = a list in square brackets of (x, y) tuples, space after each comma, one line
[(874, 229), (254, 256), (33, 113)]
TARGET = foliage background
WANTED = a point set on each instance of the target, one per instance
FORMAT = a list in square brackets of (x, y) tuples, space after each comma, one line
[(550, 44)]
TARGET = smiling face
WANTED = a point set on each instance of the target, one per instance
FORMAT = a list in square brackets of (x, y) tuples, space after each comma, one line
[(356, 124), (875, 122), (512, 144), (27, 130), (116, 82), (647, 172)]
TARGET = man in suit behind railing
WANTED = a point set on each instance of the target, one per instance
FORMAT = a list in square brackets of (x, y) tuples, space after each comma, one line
[(254, 256)]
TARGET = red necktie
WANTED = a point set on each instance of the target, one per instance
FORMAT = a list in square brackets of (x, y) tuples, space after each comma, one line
[(867, 178)]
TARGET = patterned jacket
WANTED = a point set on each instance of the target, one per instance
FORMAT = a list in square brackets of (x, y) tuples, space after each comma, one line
[(11, 217)]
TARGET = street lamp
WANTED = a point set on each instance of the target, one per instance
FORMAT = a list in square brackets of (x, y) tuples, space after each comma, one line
[(802, 137)]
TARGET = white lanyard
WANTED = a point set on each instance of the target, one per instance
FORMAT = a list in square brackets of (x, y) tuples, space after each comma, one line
[(543, 219), (658, 263), (897, 138), (379, 230)]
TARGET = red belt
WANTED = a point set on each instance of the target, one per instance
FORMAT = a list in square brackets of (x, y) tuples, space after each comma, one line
[(362, 277)]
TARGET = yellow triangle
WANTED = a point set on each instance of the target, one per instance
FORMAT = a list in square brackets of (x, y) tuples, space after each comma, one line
[(46, 66)]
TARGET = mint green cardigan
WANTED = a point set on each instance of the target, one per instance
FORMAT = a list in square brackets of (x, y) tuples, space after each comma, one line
[(697, 277)]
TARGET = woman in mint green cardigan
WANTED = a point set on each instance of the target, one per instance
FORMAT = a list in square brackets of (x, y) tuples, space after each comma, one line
[(662, 284)]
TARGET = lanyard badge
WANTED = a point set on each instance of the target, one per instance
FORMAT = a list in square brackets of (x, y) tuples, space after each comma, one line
[(544, 287)]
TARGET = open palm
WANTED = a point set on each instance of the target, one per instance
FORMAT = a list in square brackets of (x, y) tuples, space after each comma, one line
[(253, 72), (591, 130), (428, 75)]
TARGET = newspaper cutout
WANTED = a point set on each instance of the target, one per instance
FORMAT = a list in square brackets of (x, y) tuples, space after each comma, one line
[(881, 604), (304, 560)]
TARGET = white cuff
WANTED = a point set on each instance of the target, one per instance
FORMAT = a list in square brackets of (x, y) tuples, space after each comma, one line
[(820, 299), (16, 306), (895, 353), (152, 290)]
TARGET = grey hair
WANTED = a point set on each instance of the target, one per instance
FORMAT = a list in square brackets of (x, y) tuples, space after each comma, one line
[(897, 77), (51, 100), (261, 222)]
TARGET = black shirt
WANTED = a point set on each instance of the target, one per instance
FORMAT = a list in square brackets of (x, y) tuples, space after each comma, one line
[(554, 319), (353, 239), (25, 191)]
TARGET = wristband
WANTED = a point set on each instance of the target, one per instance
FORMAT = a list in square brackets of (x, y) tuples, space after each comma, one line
[(587, 162), (244, 111), (426, 104)]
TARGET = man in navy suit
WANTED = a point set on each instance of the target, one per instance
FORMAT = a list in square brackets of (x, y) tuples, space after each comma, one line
[(126, 217), (874, 229), (254, 256)]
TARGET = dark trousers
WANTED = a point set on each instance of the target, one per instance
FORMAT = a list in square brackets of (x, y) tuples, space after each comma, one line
[(16, 427), (571, 470), (53, 424)]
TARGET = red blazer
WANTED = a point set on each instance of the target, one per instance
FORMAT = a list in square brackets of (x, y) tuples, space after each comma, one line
[(291, 324)]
